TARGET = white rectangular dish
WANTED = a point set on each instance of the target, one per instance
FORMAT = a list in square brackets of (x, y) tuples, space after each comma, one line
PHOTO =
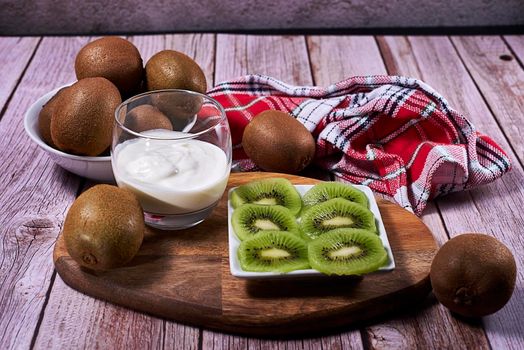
[(234, 242)]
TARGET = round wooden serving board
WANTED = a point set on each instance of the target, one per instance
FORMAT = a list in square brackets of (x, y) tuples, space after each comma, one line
[(184, 276)]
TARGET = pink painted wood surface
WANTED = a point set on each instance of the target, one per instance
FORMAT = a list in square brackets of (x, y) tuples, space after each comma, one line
[(493, 209), (516, 43), (16, 53), (34, 194), (417, 326), (282, 57), (502, 87)]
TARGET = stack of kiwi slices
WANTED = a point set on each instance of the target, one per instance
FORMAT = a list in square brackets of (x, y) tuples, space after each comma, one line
[(329, 229)]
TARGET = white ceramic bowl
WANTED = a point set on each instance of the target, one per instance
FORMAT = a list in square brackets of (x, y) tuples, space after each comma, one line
[(94, 168)]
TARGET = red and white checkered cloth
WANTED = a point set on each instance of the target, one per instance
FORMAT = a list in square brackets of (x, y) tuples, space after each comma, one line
[(394, 134)]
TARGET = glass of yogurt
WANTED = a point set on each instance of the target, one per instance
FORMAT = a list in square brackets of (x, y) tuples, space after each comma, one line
[(172, 148)]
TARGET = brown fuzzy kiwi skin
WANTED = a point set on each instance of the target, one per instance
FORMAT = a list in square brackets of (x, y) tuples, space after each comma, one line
[(84, 117), (473, 275), (277, 142), (104, 228), (169, 69), (45, 116), (113, 58), (147, 117)]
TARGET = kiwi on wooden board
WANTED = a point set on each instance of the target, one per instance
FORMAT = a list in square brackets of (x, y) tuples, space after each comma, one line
[(336, 213), (44, 118), (83, 118), (113, 58), (104, 227), (169, 69), (273, 251), (251, 219), (277, 142), (146, 117), (328, 190), (272, 191), (347, 251), (473, 275)]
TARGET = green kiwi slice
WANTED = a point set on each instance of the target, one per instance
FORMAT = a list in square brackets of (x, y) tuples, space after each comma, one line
[(347, 251), (250, 219), (272, 191), (325, 191), (273, 251), (336, 213)]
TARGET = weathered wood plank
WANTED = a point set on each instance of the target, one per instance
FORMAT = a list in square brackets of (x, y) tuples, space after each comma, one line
[(417, 327), (501, 83), (34, 195), (281, 57), (516, 42), (16, 53), (341, 57), (492, 209)]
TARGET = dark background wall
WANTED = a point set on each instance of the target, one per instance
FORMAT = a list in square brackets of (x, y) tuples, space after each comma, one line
[(20, 17)]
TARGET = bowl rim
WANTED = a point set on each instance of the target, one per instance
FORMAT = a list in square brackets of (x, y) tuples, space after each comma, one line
[(32, 114)]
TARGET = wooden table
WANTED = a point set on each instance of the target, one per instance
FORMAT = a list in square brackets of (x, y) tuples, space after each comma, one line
[(480, 76)]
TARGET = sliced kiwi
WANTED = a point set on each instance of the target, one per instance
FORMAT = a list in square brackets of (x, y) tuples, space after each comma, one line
[(325, 191), (273, 191), (250, 219), (336, 213), (273, 251), (347, 251)]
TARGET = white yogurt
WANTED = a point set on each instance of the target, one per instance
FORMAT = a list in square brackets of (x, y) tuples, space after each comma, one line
[(171, 176)]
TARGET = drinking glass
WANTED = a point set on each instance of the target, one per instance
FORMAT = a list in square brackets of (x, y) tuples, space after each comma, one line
[(172, 149)]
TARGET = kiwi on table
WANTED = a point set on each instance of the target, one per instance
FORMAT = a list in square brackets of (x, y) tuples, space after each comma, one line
[(347, 251), (104, 227), (169, 69), (273, 251), (146, 117), (336, 213), (328, 190), (473, 275), (113, 58), (45, 116), (251, 219), (277, 142), (272, 191), (83, 117)]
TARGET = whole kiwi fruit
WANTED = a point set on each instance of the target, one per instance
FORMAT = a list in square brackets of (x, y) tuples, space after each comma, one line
[(104, 227), (83, 118), (277, 142), (147, 117), (44, 118), (113, 58), (473, 275), (169, 69)]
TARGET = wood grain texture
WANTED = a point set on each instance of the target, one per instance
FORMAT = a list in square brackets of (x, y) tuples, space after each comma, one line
[(16, 53), (493, 209), (167, 280), (500, 82), (334, 58), (411, 328), (282, 57), (34, 195), (516, 43)]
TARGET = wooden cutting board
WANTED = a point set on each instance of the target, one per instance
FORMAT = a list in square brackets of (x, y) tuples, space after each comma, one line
[(184, 276)]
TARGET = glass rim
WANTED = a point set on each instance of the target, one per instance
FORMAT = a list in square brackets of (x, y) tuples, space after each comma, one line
[(186, 135)]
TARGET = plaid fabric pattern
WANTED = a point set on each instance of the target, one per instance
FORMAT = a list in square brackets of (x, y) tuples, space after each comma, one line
[(394, 134)]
